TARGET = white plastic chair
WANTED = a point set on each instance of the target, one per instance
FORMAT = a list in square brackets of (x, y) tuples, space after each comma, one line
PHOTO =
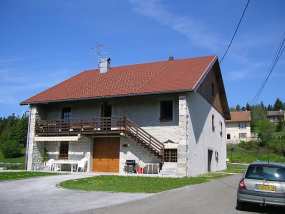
[(82, 165), (56, 167), (49, 165)]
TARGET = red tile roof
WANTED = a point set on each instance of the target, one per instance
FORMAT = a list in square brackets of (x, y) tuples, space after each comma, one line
[(155, 77), (240, 116)]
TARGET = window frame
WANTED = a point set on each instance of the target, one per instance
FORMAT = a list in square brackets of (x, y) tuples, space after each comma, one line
[(228, 136), (66, 113), (163, 116), (170, 155), (213, 122), (63, 150)]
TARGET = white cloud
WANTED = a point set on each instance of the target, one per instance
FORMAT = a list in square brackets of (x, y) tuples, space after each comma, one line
[(193, 29), (5, 61)]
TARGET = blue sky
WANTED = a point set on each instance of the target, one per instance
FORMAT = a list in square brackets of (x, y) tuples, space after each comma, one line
[(45, 42)]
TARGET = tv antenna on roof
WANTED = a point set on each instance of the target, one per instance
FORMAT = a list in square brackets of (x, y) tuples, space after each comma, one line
[(98, 51)]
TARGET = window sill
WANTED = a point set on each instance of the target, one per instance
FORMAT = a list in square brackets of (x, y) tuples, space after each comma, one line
[(165, 120)]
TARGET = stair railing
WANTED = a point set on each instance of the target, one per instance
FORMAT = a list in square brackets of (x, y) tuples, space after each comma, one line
[(144, 136)]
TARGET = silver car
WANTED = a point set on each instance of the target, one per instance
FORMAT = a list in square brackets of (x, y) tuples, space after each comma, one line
[(262, 183)]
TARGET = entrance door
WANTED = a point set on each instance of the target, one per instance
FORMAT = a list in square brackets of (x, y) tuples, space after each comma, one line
[(106, 111), (210, 154), (106, 154)]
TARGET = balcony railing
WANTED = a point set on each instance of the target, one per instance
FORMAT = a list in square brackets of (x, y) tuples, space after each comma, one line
[(99, 126), (83, 126)]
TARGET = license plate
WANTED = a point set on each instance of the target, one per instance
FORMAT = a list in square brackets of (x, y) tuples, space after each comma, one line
[(265, 187)]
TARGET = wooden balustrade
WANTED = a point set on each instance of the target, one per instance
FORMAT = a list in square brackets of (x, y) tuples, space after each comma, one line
[(100, 126)]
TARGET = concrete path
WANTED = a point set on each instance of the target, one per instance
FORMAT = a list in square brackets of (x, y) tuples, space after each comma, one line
[(40, 195)]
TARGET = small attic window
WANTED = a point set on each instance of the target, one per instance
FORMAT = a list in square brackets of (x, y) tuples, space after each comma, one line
[(213, 90)]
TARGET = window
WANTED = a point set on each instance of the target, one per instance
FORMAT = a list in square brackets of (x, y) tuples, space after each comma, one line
[(166, 111), (228, 136), (170, 155), (221, 125), (265, 172), (213, 123), (242, 125), (242, 135), (63, 152), (66, 113), (213, 90)]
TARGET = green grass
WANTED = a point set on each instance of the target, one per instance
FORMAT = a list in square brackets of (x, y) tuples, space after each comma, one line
[(20, 160), (250, 156), (135, 184), (235, 168), (131, 184), (16, 175)]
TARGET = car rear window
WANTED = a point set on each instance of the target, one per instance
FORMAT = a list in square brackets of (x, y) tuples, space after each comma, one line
[(265, 171)]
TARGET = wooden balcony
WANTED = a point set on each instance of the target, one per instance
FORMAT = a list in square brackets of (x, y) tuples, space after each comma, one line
[(85, 126), (102, 126)]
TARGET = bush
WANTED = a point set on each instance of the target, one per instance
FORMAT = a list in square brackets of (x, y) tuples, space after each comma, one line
[(11, 149)]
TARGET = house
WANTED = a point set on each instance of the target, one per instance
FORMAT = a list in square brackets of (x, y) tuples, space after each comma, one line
[(154, 113), (238, 127), (276, 116)]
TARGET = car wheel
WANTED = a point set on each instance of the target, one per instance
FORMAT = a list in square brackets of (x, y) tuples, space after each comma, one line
[(240, 205)]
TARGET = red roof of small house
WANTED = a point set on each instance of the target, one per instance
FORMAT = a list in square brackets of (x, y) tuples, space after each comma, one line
[(239, 116), (147, 78)]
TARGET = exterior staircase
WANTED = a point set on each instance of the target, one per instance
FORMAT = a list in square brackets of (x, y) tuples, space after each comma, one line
[(142, 138)]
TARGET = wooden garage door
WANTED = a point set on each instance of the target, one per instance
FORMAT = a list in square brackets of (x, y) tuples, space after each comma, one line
[(106, 154)]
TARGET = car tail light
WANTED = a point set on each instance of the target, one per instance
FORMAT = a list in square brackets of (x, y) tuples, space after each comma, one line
[(242, 184)]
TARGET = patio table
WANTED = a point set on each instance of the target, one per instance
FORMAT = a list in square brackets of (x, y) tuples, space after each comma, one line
[(72, 163)]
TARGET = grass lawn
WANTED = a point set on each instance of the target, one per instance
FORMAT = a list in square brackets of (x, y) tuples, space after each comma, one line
[(134, 184), (249, 156), (131, 184), (235, 168), (20, 160), (16, 175)]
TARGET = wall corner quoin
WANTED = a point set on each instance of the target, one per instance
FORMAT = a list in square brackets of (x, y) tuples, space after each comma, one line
[(30, 137)]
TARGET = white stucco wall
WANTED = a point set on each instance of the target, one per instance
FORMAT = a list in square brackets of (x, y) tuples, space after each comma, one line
[(201, 136)]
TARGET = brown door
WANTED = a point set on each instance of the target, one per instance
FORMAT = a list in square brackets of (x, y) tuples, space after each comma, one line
[(106, 154)]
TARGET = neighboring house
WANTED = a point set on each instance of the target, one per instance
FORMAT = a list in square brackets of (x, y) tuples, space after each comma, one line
[(159, 112), (276, 116), (238, 127)]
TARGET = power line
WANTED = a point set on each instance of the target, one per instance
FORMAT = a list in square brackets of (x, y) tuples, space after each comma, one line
[(235, 32), (276, 58)]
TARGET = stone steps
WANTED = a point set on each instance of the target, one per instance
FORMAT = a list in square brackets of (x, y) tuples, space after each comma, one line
[(169, 169)]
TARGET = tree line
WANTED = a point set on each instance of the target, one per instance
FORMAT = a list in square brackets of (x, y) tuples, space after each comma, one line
[(13, 135), (278, 105)]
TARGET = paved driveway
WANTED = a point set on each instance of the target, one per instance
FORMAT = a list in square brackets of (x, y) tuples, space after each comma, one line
[(40, 195)]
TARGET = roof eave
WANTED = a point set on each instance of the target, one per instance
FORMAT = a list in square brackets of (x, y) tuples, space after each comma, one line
[(103, 97)]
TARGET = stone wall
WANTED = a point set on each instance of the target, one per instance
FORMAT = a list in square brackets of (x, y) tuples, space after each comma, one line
[(191, 128), (134, 152)]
